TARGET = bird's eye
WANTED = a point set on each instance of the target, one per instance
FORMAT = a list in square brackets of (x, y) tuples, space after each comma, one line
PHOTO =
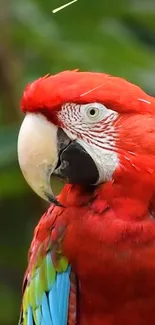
[(93, 112)]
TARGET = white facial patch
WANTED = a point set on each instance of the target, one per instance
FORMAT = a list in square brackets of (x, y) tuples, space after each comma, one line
[(105, 160), (92, 125)]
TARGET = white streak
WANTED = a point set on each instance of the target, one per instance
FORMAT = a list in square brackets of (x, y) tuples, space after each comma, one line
[(144, 100), (64, 6), (89, 91)]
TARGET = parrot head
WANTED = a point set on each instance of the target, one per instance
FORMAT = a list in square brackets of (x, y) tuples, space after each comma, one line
[(87, 128)]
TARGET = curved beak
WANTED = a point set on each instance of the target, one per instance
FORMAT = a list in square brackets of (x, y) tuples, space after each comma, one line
[(38, 154), (44, 149)]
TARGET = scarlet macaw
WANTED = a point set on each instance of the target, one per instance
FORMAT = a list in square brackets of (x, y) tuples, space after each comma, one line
[(92, 258)]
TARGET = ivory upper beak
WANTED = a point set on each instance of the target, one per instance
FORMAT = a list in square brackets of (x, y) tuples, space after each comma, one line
[(37, 153)]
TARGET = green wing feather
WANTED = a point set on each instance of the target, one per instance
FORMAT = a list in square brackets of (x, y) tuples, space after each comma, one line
[(47, 280)]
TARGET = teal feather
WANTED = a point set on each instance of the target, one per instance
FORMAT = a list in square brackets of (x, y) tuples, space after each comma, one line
[(53, 302), (63, 287), (46, 296), (30, 317), (47, 281), (45, 310)]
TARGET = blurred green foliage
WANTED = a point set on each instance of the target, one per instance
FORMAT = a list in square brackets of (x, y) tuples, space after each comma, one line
[(117, 37)]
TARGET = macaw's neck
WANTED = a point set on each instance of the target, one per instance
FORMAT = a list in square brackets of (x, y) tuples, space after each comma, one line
[(130, 199)]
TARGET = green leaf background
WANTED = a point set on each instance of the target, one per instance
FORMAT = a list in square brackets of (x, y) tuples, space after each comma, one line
[(117, 37)]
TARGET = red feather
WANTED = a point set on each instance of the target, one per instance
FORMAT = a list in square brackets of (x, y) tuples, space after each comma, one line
[(110, 231), (112, 253), (49, 93)]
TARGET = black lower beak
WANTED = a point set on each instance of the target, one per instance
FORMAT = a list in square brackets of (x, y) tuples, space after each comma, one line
[(75, 165)]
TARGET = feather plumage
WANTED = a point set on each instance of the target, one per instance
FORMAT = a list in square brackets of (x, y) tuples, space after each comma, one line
[(47, 280), (105, 232)]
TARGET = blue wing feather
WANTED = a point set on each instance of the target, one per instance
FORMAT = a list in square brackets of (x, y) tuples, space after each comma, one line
[(30, 316), (42, 321), (63, 285), (59, 298), (53, 308), (45, 310), (53, 302), (47, 284)]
